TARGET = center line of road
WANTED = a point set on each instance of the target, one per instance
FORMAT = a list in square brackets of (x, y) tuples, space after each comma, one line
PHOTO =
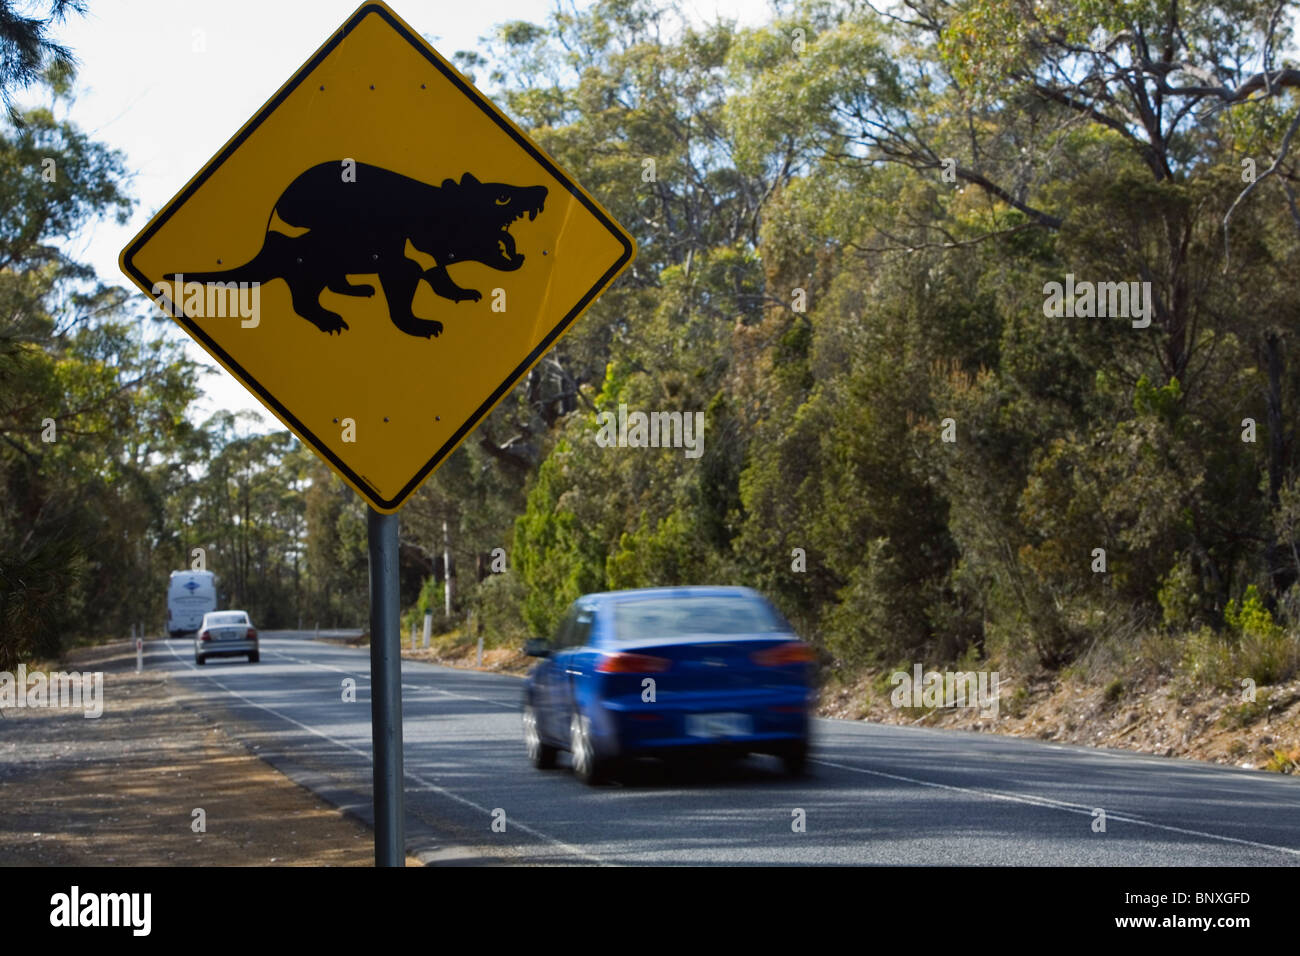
[(1051, 804), (405, 686), (427, 784)]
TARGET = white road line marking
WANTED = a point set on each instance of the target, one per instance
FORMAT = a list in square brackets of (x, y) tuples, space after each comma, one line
[(405, 686), (427, 784), (1051, 804)]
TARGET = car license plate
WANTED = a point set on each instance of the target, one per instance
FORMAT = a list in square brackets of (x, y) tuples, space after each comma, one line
[(718, 725), (230, 635)]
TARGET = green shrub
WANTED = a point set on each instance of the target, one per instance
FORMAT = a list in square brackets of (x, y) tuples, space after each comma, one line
[(1284, 762), (1250, 617), (1264, 653), (1268, 659), (1208, 660), (1244, 714), (498, 610), (432, 597)]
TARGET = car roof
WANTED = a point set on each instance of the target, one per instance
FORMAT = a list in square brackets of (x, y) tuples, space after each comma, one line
[(229, 610), (684, 591)]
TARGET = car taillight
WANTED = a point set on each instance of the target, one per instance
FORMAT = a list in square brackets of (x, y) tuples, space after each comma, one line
[(795, 652), (628, 663), (252, 634), (204, 636)]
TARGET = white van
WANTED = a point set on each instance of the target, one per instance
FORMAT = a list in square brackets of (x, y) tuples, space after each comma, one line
[(190, 595)]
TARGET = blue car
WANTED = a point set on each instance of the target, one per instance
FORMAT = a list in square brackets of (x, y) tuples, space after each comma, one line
[(664, 672)]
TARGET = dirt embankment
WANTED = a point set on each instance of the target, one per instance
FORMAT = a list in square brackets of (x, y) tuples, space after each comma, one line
[(121, 789), (1152, 715)]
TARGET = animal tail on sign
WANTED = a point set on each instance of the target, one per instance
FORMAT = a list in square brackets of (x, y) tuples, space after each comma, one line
[(276, 259), (266, 265)]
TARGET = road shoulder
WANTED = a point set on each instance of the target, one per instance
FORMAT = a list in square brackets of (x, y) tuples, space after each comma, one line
[(153, 783)]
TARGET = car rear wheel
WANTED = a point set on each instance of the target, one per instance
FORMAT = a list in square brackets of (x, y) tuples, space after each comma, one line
[(586, 766), (200, 659), (796, 761), (254, 657), (540, 753)]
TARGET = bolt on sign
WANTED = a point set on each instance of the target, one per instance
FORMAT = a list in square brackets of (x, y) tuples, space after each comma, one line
[(379, 255)]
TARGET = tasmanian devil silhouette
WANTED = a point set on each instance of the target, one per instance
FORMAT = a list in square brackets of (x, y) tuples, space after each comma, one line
[(359, 225)]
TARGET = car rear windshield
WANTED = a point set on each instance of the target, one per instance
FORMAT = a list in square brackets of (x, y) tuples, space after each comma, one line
[(644, 618), (218, 620)]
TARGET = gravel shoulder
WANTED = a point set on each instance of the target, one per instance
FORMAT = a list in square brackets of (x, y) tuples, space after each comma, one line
[(121, 789)]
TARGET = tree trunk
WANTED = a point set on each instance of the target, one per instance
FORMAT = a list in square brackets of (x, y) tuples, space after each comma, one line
[(1280, 571)]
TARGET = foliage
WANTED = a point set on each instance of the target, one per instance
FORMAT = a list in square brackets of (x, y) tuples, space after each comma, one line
[(847, 220)]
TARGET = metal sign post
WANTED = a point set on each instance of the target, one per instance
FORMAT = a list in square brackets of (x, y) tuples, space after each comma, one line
[(386, 690)]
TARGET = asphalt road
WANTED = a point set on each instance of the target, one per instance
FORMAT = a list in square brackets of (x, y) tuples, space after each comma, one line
[(876, 794)]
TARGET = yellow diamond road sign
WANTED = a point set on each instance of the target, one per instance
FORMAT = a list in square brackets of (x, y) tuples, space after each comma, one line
[(379, 255)]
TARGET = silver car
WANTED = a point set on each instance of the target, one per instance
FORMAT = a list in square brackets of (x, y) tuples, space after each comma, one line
[(226, 634)]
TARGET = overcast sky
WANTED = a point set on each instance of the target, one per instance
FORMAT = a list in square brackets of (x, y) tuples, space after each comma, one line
[(168, 82)]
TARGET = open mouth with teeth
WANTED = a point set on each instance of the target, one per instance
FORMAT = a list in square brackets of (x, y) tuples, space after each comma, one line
[(506, 242)]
